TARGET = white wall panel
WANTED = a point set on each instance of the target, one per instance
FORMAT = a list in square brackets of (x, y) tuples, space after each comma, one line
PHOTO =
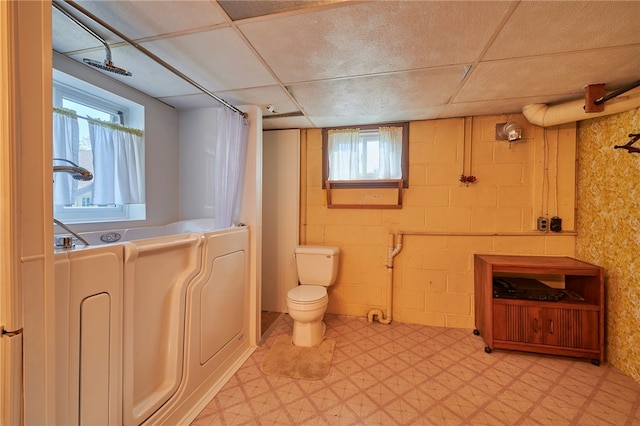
[(281, 192)]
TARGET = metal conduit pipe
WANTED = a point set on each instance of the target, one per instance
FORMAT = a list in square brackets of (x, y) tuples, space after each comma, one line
[(392, 251)]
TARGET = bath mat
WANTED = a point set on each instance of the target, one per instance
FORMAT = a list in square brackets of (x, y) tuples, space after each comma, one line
[(286, 360)]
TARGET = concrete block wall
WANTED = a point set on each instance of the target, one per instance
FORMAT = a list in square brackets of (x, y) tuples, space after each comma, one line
[(444, 222)]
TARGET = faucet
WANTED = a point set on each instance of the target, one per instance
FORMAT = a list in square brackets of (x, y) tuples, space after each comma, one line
[(65, 242), (77, 172)]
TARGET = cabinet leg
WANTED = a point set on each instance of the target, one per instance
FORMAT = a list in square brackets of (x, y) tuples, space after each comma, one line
[(476, 332), (595, 362), (487, 349)]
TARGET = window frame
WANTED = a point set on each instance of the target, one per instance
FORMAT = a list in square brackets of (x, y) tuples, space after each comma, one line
[(62, 90), (368, 183), (79, 91)]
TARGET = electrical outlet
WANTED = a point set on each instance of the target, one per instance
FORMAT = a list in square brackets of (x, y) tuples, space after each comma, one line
[(556, 224), (543, 224)]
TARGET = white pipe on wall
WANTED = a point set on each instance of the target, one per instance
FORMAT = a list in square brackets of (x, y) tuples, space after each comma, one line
[(545, 116), (391, 253)]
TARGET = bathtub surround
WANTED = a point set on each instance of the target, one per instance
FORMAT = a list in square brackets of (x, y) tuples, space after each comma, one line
[(155, 326)]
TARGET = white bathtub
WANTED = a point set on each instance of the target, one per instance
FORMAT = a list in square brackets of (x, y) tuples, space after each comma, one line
[(156, 325), (113, 236)]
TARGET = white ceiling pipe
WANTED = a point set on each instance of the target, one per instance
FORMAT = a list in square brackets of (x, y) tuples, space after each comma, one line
[(545, 116)]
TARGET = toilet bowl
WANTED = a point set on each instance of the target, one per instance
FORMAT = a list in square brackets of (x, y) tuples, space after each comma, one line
[(317, 268), (307, 305)]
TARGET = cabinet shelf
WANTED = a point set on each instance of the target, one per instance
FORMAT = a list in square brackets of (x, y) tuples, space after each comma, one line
[(565, 327)]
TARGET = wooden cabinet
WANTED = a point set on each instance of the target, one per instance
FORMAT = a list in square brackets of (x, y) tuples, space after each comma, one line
[(566, 327)]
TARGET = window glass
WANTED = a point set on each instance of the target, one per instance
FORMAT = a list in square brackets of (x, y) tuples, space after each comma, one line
[(77, 104)]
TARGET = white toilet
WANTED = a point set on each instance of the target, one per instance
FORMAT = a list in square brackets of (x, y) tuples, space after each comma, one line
[(317, 268)]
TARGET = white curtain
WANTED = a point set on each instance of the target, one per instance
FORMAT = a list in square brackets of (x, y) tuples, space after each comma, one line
[(230, 148), (344, 154), (390, 152), (66, 145), (118, 164)]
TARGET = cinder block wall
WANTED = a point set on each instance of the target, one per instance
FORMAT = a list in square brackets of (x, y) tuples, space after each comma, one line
[(443, 221)]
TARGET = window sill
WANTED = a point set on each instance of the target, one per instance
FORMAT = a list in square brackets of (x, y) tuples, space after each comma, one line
[(364, 194)]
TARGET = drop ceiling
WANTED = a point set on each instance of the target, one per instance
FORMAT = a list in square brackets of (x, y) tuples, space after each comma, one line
[(336, 63)]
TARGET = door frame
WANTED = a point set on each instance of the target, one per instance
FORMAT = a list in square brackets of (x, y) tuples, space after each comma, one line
[(26, 227)]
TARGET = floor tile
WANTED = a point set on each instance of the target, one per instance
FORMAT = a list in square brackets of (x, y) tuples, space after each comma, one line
[(406, 374)]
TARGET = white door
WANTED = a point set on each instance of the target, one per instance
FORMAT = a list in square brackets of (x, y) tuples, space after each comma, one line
[(280, 216)]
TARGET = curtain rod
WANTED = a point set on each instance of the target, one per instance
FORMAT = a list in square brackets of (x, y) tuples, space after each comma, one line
[(616, 93), (153, 56), (72, 113)]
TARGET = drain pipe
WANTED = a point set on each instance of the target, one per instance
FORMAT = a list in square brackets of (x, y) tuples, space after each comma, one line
[(392, 252)]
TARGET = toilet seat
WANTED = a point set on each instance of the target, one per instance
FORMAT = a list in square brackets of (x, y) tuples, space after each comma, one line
[(307, 294)]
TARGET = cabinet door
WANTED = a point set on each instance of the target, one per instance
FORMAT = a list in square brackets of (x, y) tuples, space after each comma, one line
[(570, 328), (517, 323)]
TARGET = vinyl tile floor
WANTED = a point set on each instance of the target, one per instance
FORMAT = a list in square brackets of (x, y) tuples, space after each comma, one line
[(404, 374), (267, 319)]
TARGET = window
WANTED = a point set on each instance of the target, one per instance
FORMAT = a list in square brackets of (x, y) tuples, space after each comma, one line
[(96, 131), (366, 154)]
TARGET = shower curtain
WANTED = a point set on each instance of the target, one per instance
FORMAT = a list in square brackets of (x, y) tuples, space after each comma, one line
[(230, 147)]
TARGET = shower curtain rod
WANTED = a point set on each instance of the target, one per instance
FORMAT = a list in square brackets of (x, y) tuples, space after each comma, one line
[(618, 92), (152, 56)]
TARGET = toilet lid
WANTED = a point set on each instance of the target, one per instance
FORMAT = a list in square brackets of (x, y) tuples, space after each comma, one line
[(307, 293)]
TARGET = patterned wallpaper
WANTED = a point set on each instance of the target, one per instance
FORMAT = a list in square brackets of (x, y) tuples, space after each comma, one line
[(608, 224)]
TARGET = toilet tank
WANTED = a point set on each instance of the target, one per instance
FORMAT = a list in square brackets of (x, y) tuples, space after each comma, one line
[(317, 265)]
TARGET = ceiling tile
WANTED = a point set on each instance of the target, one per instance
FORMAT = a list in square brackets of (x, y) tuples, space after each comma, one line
[(356, 118), (261, 96), (490, 107), (251, 8), (362, 62), (218, 59), (527, 77), (192, 101), (68, 36), (148, 76), (378, 94), (542, 27), (141, 19), (374, 37)]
